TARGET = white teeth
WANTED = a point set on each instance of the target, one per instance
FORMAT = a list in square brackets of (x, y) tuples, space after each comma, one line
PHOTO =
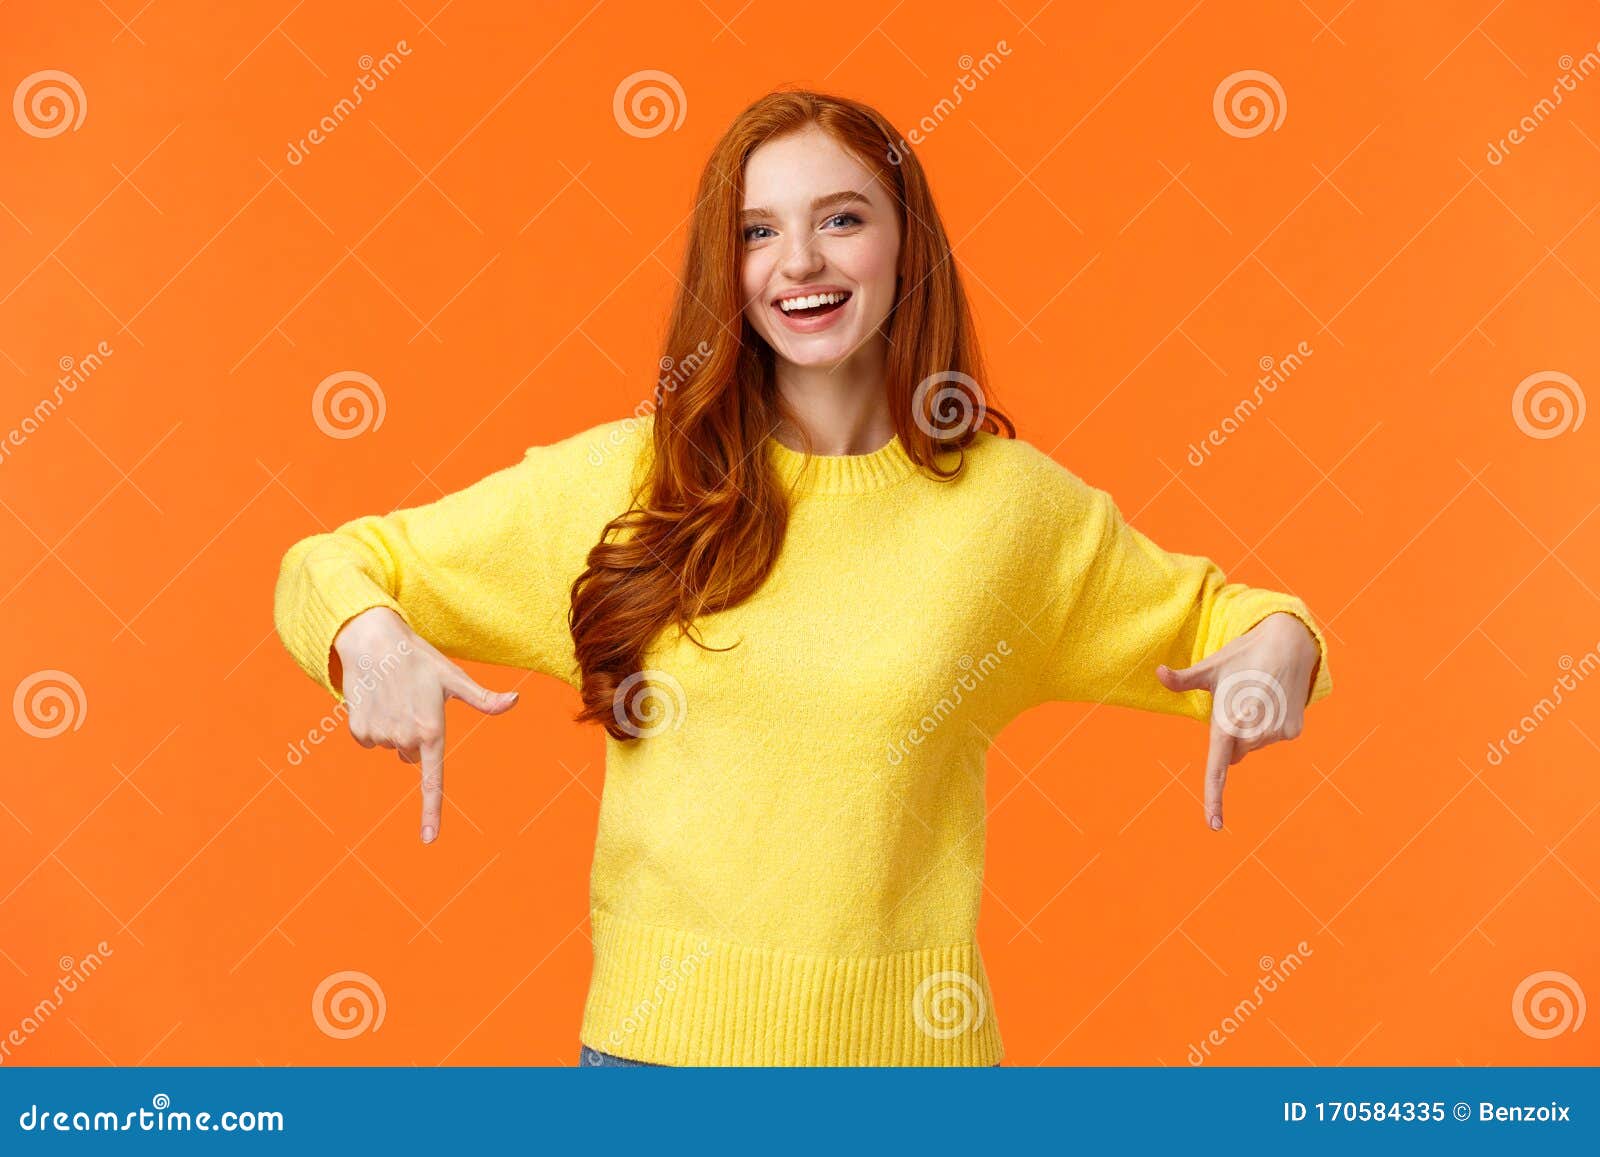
[(814, 300)]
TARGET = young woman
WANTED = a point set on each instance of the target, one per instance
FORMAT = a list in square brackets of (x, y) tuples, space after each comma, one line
[(800, 595)]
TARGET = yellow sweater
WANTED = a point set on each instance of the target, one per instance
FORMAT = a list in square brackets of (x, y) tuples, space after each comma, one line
[(788, 867)]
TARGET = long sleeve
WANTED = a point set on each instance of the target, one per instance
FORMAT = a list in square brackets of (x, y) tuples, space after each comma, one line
[(483, 573), (1121, 605)]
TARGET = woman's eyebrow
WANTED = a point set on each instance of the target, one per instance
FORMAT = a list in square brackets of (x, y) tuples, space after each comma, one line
[(844, 197)]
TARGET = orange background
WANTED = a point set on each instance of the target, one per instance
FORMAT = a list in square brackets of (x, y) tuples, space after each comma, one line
[(483, 239)]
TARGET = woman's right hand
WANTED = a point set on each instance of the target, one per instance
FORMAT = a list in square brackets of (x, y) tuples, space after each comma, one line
[(395, 685)]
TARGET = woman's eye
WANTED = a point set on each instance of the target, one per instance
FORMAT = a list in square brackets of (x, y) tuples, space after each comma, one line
[(750, 229), (848, 217)]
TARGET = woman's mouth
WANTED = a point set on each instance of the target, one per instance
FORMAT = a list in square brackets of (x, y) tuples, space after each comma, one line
[(807, 314)]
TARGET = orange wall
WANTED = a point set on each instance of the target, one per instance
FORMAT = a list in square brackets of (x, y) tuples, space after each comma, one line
[(484, 240)]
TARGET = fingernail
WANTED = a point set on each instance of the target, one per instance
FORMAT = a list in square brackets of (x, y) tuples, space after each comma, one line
[(1216, 823), (427, 835)]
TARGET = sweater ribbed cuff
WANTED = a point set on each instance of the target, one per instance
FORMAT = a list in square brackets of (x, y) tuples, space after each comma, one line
[(682, 998), (326, 609)]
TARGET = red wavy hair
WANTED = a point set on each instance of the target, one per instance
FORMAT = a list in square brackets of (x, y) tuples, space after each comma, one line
[(714, 511)]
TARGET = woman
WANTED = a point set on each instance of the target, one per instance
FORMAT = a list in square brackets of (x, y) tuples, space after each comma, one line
[(800, 596)]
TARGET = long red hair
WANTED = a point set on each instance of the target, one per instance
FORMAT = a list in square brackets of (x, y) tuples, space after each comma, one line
[(714, 511)]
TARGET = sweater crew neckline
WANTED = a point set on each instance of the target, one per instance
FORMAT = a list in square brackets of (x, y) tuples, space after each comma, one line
[(842, 473)]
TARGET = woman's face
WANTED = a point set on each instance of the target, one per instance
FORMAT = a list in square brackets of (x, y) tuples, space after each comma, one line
[(817, 221)]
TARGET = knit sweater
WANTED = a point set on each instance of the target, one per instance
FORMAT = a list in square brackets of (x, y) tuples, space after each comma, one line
[(788, 863)]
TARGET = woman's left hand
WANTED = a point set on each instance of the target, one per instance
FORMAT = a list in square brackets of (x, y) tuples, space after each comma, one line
[(1259, 686)]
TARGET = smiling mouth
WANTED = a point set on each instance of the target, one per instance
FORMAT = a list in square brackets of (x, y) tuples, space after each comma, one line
[(816, 310)]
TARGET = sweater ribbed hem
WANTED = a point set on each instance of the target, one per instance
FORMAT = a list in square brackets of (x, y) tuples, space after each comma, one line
[(673, 997)]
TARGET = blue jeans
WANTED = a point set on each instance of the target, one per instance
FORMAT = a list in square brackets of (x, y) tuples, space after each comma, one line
[(588, 1057)]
